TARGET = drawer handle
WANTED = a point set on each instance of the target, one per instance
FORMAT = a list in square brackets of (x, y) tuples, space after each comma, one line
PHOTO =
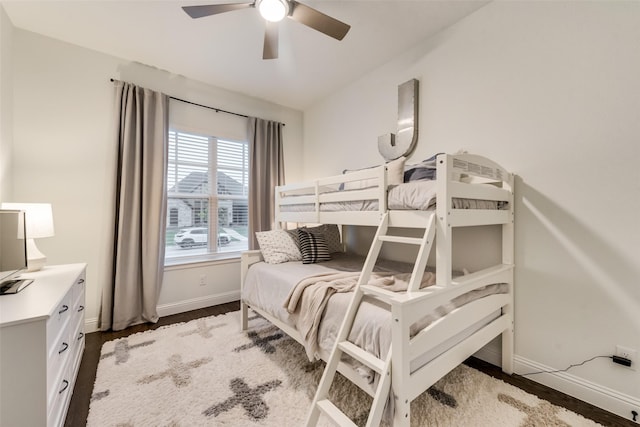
[(66, 386), (80, 308), (80, 336), (80, 281), (64, 308), (65, 346)]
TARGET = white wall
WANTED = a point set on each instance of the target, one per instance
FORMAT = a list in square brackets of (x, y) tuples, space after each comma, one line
[(64, 154), (6, 100), (550, 90)]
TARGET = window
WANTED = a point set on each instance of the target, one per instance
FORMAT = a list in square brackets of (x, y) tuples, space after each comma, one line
[(207, 187), (173, 217)]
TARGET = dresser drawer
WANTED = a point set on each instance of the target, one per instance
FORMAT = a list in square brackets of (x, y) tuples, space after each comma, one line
[(77, 342), (59, 320), (58, 400), (78, 292), (58, 357)]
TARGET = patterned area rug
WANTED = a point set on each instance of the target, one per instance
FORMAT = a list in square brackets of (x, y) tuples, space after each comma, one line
[(207, 373)]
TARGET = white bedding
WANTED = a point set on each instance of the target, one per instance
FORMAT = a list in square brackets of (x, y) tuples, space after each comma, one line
[(416, 195), (267, 287)]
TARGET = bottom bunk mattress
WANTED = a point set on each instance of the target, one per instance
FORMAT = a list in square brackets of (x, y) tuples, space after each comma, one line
[(269, 287)]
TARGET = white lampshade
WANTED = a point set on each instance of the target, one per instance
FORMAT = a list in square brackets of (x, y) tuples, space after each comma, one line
[(39, 224), (273, 10)]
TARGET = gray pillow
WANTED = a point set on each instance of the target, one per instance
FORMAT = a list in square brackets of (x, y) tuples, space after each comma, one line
[(313, 247), (329, 232), (425, 170)]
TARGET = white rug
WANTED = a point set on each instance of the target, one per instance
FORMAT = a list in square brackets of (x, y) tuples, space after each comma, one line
[(207, 373)]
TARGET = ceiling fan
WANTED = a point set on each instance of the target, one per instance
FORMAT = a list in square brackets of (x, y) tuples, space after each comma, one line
[(274, 11)]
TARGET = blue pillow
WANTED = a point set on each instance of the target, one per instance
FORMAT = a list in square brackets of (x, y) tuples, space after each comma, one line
[(419, 173), (425, 170)]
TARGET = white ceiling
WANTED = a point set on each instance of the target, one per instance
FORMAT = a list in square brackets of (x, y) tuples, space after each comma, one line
[(226, 50)]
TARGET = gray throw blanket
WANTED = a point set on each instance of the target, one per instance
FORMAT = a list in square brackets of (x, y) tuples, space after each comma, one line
[(309, 298)]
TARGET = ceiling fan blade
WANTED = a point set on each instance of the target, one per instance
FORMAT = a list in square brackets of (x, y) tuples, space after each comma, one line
[(214, 9), (317, 20), (270, 50)]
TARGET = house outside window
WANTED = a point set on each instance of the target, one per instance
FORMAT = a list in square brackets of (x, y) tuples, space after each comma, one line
[(207, 206)]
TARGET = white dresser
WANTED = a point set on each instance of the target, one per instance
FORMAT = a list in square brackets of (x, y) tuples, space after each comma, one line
[(41, 344)]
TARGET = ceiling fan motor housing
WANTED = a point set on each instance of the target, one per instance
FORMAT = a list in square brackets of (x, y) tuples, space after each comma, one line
[(273, 10)]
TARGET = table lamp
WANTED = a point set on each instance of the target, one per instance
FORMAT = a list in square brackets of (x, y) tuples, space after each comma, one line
[(39, 224)]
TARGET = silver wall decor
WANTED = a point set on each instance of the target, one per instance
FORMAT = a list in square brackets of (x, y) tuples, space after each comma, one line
[(392, 146)]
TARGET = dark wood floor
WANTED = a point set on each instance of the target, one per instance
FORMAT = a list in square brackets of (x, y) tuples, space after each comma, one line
[(79, 408)]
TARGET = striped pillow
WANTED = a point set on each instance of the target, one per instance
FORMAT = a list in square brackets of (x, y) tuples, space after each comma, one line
[(330, 233), (313, 247)]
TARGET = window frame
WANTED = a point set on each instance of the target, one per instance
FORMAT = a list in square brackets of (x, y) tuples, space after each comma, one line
[(211, 196)]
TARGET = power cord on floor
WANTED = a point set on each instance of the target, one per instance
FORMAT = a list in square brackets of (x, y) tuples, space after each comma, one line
[(566, 369)]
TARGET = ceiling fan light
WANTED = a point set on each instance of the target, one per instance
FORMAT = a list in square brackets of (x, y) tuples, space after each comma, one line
[(273, 10)]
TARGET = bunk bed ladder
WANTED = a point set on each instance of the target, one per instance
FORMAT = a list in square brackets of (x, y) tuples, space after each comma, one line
[(321, 403)]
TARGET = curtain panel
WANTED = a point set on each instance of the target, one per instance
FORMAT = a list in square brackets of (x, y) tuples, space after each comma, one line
[(141, 135), (266, 163)]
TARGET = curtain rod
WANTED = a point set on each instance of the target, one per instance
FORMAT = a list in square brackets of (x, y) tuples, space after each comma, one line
[(217, 110)]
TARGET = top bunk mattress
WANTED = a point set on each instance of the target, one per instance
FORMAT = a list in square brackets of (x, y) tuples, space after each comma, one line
[(415, 195)]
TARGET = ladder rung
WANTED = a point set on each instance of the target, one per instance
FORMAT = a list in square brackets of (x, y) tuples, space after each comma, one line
[(335, 414), (362, 356), (401, 239), (378, 292)]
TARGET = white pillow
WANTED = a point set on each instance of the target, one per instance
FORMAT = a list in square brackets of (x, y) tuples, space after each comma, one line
[(361, 184), (277, 247), (395, 176), (395, 171)]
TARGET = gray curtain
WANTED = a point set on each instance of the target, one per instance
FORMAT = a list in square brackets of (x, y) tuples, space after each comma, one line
[(266, 163), (141, 132)]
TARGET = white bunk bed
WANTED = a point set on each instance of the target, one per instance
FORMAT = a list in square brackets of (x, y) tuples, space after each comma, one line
[(417, 360)]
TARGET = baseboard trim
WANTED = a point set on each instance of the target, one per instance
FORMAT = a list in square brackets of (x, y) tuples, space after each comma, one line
[(594, 394), (197, 303), (603, 397), (91, 325)]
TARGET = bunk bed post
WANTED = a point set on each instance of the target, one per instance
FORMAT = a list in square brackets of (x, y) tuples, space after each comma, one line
[(316, 190), (444, 168), (277, 212), (508, 341), (400, 367), (383, 186), (247, 258), (244, 308)]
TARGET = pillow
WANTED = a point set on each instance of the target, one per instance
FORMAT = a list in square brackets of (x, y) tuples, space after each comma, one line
[(425, 170), (313, 247), (329, 233), (277, 247), (358, 185), (395, 170), (419, 173)]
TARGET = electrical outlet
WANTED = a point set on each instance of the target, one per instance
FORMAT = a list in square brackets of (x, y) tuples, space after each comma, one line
[(628, 353), (203, 280)]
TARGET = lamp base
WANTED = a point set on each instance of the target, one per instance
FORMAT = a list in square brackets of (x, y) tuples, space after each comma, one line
[(35, 259)]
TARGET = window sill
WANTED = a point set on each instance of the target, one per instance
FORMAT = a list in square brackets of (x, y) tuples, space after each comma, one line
[(179, 263)]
